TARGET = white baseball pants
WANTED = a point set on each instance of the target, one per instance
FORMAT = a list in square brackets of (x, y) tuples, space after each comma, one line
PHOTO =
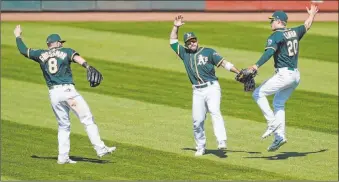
[(207, 100), (63, 99), (282, 84)]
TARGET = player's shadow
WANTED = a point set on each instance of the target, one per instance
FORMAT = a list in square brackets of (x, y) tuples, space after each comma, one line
[(242, 151), (220, 153), (76, 158), (286, 155)]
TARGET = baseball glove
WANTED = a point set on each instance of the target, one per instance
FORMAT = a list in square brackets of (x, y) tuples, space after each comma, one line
[(246, 76), (249, 86), (94, 76)]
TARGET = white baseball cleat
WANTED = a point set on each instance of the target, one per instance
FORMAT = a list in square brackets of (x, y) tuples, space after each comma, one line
[(106, 150), (222, 145), (67, 161), (200, 152), (276, 145), (270, 129)]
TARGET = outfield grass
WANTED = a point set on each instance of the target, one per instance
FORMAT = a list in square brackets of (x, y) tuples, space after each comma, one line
[(112, 46), (169, 129), (128, 163), (225, 34), (144, 104), (157, 86)]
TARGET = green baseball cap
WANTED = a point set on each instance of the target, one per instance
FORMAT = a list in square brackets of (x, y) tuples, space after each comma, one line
[(279, 15), (188, 36), (54, 38)]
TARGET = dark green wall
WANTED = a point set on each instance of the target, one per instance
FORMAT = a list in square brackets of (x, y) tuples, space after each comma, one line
[(98, 5)]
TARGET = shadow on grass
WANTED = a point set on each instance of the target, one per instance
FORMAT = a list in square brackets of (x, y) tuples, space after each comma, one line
[(286, 155), (75, 158), (220, 153)]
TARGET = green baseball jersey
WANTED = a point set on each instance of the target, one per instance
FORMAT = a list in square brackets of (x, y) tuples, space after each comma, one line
[(55, 64), (200, 64), (285, 42)]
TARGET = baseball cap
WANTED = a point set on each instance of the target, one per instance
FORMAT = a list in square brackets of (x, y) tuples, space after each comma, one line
[(279, 15), (188, 36), (54, 38)]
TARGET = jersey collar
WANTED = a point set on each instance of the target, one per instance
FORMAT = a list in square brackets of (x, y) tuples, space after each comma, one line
[(55, 48), (280, 29), (195, 50)]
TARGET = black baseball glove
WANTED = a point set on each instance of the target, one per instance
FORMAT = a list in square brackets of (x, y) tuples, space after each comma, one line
[(246, 76), (94, 76), (249, 85)]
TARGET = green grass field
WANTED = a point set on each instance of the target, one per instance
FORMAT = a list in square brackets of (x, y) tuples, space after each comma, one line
[(144, 106)]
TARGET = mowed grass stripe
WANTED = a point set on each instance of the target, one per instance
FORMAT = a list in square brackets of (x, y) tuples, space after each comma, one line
[(328, 29), (156, 53), (169, 129), (307, 110), (225, 34), (28, 156), (6, 178)]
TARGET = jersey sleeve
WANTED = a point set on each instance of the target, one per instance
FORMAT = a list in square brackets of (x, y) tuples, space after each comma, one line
[(27, 52), (272, 42), (71, 53), (216, 58), (34, 54), (300, 30), (177, 48)]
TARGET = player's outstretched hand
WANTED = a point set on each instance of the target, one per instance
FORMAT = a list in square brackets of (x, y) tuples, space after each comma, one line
[(245, 75), (179, 21), (17, 31), (313, 10)]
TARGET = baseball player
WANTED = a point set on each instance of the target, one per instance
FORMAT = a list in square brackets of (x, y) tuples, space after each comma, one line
[(283, 45), (55, 65), (199, 63)]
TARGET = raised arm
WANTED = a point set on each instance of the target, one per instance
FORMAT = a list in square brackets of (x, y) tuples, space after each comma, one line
[(174, 42), (177, 23), (19, 43), (174, 33), (312, 12)]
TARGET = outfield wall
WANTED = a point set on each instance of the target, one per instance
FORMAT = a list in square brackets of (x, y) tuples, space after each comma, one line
[(133, 5)]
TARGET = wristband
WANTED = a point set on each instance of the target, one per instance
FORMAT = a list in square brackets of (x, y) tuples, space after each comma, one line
[(85, 65)]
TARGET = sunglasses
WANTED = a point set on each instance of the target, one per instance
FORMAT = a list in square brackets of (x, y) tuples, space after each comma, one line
[(272, 20), (191, 41)]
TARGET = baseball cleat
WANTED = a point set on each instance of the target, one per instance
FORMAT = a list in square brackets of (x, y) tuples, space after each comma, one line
[(67, 161), (106, 150), (200, 152), (222, 145), (270, 130), (276, 145)]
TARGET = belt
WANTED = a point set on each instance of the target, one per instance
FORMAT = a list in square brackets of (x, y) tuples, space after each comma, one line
[(203, 85), (59, 86), (285, 68)]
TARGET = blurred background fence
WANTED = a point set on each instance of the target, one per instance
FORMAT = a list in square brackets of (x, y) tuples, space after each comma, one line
[(158, 6)]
